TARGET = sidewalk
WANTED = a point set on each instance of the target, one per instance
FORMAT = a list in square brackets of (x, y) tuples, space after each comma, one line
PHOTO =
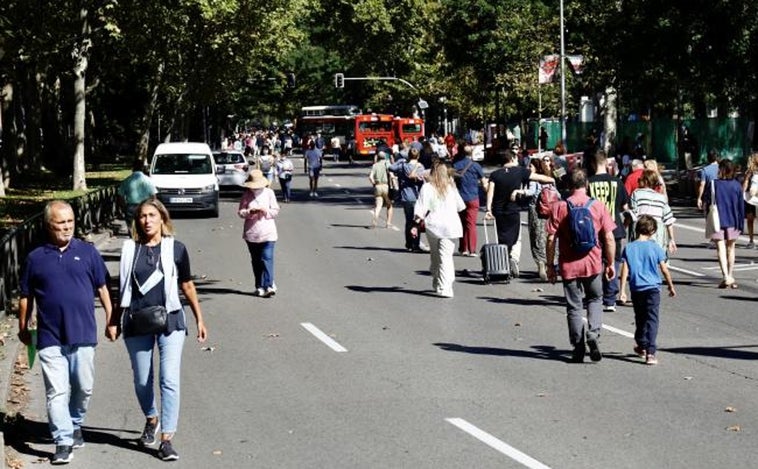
[(13, 375)]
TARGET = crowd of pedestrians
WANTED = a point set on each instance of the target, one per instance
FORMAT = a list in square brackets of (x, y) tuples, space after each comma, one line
[(606, 231)]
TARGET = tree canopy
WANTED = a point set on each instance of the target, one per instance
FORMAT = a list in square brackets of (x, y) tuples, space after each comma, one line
[(190, 69)]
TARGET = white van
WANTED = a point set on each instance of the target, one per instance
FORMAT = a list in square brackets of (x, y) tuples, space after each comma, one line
[(185, 175)]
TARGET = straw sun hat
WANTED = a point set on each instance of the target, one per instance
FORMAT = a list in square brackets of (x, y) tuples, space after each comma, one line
[(256, 180)]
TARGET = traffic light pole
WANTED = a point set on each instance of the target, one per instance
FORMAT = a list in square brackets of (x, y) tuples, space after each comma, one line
[(405, 82)]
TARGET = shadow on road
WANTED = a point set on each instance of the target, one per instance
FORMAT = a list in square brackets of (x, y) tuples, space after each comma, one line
[(365, 289), (718, 352)]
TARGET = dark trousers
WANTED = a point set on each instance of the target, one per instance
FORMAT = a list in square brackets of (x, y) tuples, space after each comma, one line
[(646, 309), (611, 287), (410, 241)]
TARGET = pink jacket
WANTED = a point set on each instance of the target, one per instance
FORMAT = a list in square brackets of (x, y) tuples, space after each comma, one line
[(259, 225)]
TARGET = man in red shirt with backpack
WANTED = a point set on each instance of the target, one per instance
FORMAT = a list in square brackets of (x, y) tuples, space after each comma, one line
[(580, 224)]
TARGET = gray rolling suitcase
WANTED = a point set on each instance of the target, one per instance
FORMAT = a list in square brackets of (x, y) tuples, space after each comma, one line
[(495, 260)]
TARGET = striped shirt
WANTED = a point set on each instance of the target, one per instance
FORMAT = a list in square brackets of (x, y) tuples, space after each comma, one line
[(646, 201)]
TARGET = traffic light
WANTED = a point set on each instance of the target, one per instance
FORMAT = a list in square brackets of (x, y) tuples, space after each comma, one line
[(290, 80), (339, 80)]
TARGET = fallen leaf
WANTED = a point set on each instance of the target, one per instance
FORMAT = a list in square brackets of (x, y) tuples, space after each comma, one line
[(370, 259), (734, 428), (541, 394), (537, 290), (208, 349), (518, 324), (272, 335), (730, 409), (217, 452), (688, 378)]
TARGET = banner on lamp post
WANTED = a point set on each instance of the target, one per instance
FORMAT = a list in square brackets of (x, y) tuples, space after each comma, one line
[(548, 65), (577, 63)]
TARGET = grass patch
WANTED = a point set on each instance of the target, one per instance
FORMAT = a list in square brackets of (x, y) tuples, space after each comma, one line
[(33, 191)]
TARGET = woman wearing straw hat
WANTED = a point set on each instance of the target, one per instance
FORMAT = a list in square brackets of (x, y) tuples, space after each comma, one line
[(259, 208)]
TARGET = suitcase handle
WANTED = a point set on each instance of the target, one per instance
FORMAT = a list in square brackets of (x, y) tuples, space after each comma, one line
[(486, 236)]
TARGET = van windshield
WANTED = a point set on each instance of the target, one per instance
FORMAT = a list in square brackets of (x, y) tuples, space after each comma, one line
[(182, 164)]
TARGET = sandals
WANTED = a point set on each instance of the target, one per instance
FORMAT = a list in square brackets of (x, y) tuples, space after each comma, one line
[(729, 284)]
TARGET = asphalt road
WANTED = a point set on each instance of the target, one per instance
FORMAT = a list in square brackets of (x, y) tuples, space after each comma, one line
[(403, 379)]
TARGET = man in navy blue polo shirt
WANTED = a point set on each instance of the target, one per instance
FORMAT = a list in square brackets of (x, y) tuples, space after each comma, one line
[(62, 276)]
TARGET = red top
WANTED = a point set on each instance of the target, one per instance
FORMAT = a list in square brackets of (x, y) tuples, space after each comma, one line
[(632, 182), (571, 264)]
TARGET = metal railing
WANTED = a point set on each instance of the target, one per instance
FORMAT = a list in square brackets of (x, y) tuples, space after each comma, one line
[(92, 212)]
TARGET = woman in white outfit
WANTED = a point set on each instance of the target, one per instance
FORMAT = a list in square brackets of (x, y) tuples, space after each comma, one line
[(438, 204)]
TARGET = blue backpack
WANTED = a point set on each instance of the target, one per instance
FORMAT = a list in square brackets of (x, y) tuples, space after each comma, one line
[(583, 236)]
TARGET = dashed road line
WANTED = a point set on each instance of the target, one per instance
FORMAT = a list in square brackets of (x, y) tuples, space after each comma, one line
[(497, 444), (320, 335), (685, 271)]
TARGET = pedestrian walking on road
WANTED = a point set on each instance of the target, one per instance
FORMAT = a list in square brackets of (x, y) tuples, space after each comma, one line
[(642, 260), (285, 169), (726, 193), (438, 205), (380, 177), (410, 175), (581, 267), (61, 277), (469, 177), (646, 201), (750, 188), (259, 208), (537, 233), (610, 191), (133, 190), (313, 160), (503, 190), (154, 267)]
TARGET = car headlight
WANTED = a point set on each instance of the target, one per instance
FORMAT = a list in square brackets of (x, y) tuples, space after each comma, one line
[(208, 189)]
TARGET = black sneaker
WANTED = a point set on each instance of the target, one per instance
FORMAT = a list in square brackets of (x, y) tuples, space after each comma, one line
[(63, 455), (78, 439), (149, 433), (167, 452), (595, 354), (577, 356)]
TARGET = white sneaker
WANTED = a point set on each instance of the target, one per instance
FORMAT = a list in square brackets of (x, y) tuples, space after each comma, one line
[(259, 292), (609, 308), (315, 194)]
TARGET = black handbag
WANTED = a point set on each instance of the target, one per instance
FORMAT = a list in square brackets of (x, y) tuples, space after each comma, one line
[(149, 320)]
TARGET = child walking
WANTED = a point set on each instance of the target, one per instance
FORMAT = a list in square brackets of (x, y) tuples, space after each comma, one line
[(641, 261)]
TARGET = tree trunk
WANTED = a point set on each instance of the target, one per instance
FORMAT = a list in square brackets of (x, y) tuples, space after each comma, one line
[(142, 145), (610, 115), (6, 152), (80, 56)]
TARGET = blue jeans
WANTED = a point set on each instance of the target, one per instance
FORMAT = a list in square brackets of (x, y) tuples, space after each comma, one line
[(286, 188), (140, 350), (262, 259), (578, 291), (69, 374), (646, 309)]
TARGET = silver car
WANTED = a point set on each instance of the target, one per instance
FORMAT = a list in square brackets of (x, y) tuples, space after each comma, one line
[(231, 169)]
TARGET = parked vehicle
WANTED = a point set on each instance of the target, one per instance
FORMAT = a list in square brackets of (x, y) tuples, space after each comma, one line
[(231, 169), (185, 176)]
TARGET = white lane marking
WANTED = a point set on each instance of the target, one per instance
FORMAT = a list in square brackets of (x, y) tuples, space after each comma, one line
[(737, 267), (685, 271), (702, 230), (497, 444), (331, 343), (618, 331), (615, 330)]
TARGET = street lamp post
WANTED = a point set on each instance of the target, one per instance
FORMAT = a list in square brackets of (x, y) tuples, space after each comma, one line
[(443, 100), (563, 81)]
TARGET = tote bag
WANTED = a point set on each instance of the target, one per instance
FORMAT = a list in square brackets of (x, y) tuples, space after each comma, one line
[(712, 222)]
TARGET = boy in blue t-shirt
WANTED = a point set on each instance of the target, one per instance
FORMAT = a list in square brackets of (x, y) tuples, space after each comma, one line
[(641, 261)]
